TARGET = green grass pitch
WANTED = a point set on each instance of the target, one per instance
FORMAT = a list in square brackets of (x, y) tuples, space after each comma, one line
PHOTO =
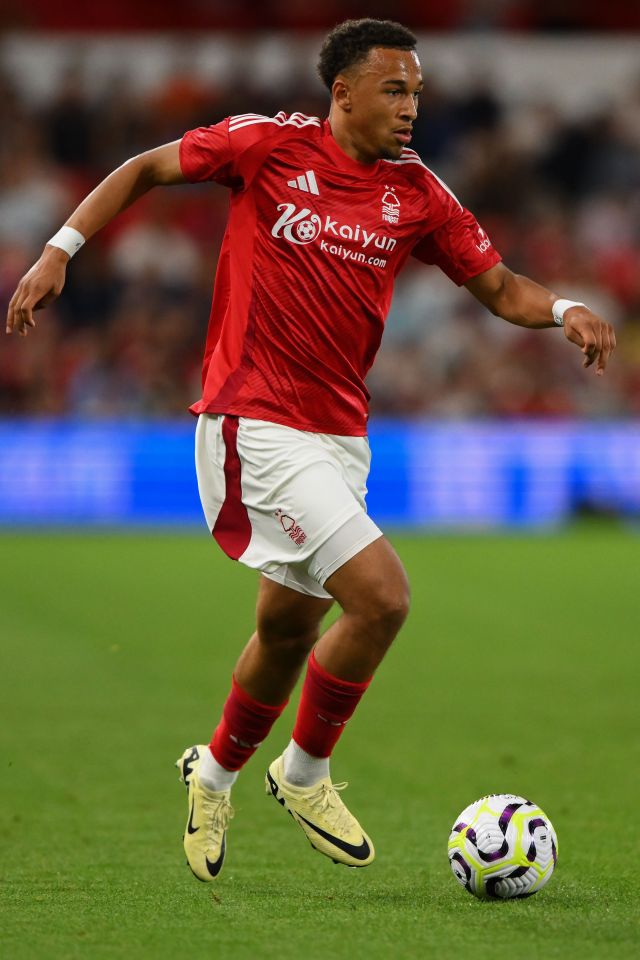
[(517, 672)]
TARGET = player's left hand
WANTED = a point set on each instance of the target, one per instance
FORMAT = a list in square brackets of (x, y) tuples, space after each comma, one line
[(595, 337)]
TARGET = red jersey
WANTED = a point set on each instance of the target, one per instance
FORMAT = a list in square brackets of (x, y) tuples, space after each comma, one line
[(312, 247)]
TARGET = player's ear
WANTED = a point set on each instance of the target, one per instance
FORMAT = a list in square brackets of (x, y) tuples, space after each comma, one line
[(341, 94)]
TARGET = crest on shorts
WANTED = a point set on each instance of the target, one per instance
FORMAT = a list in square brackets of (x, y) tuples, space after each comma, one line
[(293, 530)]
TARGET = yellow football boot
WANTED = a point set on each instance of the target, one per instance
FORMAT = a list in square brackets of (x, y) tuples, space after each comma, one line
[(209, 814), (320, 812)]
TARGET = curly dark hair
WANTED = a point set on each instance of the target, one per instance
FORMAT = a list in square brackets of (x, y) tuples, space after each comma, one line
[(350, 42)]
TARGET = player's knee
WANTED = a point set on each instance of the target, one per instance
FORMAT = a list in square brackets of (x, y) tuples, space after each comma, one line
[(393, 611), (388, 608)]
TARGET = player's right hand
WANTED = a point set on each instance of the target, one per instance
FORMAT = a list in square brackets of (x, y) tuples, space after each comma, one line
[(37, 289)]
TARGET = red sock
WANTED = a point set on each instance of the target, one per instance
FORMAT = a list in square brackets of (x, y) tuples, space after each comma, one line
[(325, 706), (243, 726)]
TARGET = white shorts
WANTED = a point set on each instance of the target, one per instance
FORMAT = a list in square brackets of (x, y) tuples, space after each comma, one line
[(287, 502)]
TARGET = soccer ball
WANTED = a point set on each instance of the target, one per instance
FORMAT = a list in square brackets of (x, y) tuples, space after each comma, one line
[(502, 846), (307, 231)]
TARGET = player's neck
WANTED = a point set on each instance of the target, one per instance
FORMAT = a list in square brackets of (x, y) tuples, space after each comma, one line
[(347, 141)]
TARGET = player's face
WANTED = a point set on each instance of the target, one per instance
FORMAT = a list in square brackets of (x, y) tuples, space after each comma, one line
[(383, 103)]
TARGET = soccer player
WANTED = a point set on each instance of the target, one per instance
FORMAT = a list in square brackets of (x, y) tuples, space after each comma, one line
[(323, 215)]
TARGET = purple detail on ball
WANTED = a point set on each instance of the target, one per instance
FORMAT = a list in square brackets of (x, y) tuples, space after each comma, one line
[(487, 857), (531, 853), (459, 827), (507, 813), (465, 868), (496, 855), (554, 853), (537, 822)]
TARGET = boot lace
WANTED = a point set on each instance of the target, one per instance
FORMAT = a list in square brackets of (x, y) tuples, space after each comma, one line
[(326, 802), (216, 815)]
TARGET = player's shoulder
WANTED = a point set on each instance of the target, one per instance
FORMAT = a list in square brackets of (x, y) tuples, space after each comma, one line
[(282, 126), (411, 167)]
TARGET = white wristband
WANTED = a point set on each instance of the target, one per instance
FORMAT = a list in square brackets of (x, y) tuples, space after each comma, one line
[(559, 308), (67, 239)]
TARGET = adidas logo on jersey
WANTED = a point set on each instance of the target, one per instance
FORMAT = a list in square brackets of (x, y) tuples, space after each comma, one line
[(305, 182)]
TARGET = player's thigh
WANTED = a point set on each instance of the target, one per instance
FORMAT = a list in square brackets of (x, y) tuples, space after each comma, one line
[(373, 583), (288, 614)]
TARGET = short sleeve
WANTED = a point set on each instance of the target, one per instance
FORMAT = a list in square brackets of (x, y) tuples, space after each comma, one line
[(230, 152), (459, 245), (206, 154)]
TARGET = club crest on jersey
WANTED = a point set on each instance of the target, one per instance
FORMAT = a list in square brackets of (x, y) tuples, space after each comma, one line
[(390, 205), (297, 226)]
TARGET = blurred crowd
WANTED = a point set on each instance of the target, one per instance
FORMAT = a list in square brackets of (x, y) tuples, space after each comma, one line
[(549, 15), (559, 196)]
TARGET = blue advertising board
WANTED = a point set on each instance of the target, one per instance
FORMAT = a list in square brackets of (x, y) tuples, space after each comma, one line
[(424, 474)]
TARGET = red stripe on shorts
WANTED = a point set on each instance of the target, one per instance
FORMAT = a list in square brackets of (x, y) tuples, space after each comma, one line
[(232, 529)]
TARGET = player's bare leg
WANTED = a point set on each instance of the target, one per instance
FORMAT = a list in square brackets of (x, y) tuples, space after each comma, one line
[(373, 591), (287, 627)]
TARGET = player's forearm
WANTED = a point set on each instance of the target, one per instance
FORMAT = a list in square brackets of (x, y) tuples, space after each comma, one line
[(524, 302), (160, 166), (117, 192), (513, 297)]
